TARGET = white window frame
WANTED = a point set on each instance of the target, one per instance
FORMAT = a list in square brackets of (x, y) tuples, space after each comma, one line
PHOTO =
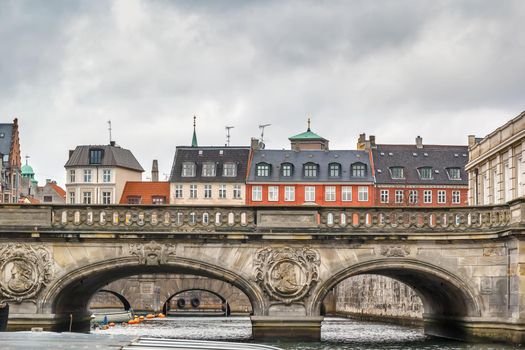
[(384, 194), (427, 196), (193, 191), (346, 193), (329, 193), (289, 193), (72, 197), (273, 193), (106, 175), (87, 175), (442, 196), (207, 191), (178, 191), (362, 194), (87, 197), (413, 196), (399, 196), (72, 175), (229, 169), (237, 192), (309, 193), (222, 191), (456, 197), (209, 169), (257, 193), (188, 169), (106, 199)]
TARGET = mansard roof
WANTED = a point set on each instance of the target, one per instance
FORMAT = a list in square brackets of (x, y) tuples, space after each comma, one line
[(6, 134), (298, 158), (216, 154), (438, 157), (113, 156)]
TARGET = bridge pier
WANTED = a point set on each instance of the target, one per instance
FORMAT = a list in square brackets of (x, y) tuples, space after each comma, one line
[(297, 328)]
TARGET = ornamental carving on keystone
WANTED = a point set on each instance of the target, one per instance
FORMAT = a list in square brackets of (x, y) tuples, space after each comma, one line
[(287, 274), (24, 270), (152, 253), (396, 251)]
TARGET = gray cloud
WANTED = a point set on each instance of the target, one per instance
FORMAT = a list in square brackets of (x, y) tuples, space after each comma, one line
[(397, 69)]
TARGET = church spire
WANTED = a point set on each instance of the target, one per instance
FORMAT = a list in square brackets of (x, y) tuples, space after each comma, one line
[(194, 142)]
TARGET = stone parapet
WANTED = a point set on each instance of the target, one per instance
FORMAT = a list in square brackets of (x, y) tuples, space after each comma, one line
[(306, 328)]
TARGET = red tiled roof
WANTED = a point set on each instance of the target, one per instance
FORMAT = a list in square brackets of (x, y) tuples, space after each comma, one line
[(58, 190), (146, 191)]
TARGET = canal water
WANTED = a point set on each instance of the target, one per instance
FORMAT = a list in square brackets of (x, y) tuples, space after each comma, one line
[(336, 333)]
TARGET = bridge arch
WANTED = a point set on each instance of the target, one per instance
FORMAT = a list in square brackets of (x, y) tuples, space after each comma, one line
[(70, 294), (442, 292), (222, 298), (123, 300)]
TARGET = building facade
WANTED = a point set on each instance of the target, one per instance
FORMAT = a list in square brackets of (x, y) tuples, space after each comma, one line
[(309, 175), (10, 163), (209, 175), (496, 168), (418, 174), (97, 174), (51, 193), (146, 193)]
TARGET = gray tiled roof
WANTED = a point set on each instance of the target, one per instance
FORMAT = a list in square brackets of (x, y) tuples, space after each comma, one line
[(237, 155), (5, 142), (323, 158), (411, 158), (112, 156)]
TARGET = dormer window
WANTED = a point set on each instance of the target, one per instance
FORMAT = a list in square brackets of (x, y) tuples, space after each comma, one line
[(95, 156), (454, 173), (229, 170), (334, 170), (286, 169), (310, 170), (425, 173), (263, 169), (208, 169), (358, 170), (397, 172), (188, 169)]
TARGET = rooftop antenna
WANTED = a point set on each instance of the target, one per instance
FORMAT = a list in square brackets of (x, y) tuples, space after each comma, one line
[(109, 129), (262, 131), (228, 135)]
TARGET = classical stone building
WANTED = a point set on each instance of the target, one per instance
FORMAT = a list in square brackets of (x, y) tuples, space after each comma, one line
[(10, 162), (496, 166), (96, 174), (51, 192)]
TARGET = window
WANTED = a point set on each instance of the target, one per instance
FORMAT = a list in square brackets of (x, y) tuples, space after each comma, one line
[(188, 169), (95, 156), (208, 169), (286, 169), (329, 193), (263, 169), (486, 188), (72, 197), (427, 196), (358, 170), (362, 193), (273, 193), (229, 170), (442, 196), (456, 198), (310, 170), (87, 175), (257, 193), (397, 172), (454, 173), (158, 200), (222, 191), (412, 196), (400, 196), (309, 194), (48, 199), (506, 179), (334, 170), (519, 177), (72, 177), (134, 199), (178, 191), (106, 197), (106, 175), (425, 173), (237, 192), (86, 198), (346, 194), (384, 196), (495, 186), (289, 193), (193, 191), (207, 191)]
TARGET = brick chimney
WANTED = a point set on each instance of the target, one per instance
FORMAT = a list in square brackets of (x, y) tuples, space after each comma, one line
[(155, 171), (365, 145), (419, 142)]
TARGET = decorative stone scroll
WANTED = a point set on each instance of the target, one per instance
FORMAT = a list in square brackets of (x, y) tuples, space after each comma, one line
[(24, 270), (152, 253), (397, 251), (287, 274)]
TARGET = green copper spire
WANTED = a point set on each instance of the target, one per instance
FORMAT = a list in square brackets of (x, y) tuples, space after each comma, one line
[(194, 142)]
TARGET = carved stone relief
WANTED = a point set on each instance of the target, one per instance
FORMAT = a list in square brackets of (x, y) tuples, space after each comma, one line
[(397, 251), (287, 274), (24, 270), (152, 253)]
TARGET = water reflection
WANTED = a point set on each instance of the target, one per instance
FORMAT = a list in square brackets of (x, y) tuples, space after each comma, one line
[(337, 334)]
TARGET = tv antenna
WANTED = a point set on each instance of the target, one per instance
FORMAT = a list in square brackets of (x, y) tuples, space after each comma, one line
[(262, 131), (109, 129), (228, 134)]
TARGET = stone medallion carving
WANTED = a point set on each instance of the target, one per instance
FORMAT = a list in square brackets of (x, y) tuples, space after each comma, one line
[(287, 274), (397, 251), (152, 253), (24, 270)]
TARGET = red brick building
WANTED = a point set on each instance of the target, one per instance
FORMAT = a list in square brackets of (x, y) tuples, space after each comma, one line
[(137, 192)]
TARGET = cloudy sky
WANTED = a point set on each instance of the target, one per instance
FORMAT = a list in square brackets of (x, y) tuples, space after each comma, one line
[(395, 69)]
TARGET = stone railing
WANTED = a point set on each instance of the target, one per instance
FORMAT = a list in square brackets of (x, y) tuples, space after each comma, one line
[(177, 219)]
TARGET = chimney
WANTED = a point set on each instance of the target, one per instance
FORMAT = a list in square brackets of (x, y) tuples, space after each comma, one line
[(471, 140), (419, 142), (363, 144), (155, 171), (112, 143), (361, 141), (372, 141), (48, 181), (254, 144), (71, 152)]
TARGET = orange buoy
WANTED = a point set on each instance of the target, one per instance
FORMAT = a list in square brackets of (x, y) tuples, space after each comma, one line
[(150, 316), (141, 318), (112, 324), (161, 315)]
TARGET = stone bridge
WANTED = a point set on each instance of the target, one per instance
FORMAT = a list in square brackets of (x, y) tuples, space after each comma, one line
[(467, 264)]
